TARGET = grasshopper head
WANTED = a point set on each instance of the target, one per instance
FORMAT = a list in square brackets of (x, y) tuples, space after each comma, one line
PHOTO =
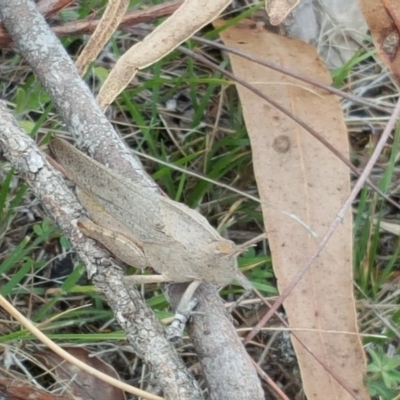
[(222, 265)]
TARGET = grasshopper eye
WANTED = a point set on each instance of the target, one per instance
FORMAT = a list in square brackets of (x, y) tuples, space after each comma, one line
[(223, 247)]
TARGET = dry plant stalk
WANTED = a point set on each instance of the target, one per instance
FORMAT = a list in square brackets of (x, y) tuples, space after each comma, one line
[(190, 17)]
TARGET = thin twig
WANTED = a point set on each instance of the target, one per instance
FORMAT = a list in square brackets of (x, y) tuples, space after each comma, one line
[(293, 74), (289, 114), (68, 357)]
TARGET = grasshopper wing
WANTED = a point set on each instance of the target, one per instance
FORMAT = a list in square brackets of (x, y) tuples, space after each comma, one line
[(130, 202)]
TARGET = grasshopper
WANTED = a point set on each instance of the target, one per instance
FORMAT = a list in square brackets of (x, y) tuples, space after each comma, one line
[(146, 229)]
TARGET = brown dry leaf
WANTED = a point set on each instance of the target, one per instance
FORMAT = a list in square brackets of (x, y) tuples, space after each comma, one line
[(81, 384), (191, 16), (107, 26), (278, 10), (383, 19), (12, 389), (299, 175)]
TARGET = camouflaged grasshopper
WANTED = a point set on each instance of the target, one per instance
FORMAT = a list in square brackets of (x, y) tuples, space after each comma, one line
[(146, 229)]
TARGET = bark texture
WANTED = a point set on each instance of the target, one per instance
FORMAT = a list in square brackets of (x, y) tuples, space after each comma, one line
[(228, 370)]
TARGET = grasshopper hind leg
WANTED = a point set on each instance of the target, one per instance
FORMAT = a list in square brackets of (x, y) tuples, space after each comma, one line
[(183, 312)]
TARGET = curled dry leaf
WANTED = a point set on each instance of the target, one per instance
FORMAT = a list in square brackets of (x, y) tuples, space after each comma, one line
[(107, 26), (278, 10), (383, 19), (185, 21), (12, 389)]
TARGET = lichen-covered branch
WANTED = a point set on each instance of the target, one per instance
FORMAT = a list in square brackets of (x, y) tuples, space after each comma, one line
[(142, 328), (35, 41)]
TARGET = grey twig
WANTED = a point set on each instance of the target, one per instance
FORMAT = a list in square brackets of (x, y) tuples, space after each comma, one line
[(142, 328), (230, 374)]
